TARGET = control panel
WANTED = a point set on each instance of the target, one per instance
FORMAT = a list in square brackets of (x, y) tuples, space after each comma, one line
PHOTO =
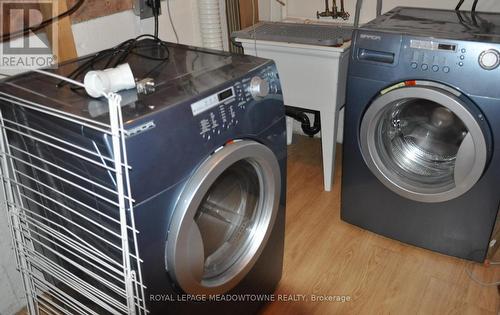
[(434, 56), (469, 65), (444, 56), (223, 110)]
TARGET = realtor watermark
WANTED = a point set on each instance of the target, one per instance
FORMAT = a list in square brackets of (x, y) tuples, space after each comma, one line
[(23, 49), (287, 298)]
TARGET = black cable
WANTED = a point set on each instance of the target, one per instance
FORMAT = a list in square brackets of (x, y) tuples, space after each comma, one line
[(26, 30), (462, 21), (459, 5), (156, 68), (97, 57), (88, 65), (155, 6), (156, 25), (119, 54), (474, 6), (474, 19)]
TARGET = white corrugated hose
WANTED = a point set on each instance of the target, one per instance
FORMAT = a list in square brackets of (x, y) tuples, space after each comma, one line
[(210, 23)]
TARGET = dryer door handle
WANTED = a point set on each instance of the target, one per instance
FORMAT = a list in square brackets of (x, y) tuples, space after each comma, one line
[(375, 56)]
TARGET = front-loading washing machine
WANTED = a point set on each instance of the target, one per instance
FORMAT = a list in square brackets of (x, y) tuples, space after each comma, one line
[(207, 155), (421, 159)]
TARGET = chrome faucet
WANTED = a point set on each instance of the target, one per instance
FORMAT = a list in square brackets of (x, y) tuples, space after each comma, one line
[(335, 12)]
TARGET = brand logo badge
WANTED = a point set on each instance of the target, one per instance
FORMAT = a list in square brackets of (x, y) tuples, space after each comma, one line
[(370, 37), (140, 129)]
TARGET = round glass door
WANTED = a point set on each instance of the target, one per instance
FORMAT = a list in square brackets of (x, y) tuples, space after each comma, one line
[(223, 219), (423, 143), (227, 217)]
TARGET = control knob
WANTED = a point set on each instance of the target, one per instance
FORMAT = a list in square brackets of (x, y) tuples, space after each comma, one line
[(489, 59), (259, 88)]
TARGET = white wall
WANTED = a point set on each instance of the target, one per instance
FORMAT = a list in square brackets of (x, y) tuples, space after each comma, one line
[(104, 32), (270, 10), (307, 9), (92, 36)]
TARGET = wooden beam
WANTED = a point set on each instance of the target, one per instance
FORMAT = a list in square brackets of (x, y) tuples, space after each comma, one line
[(246, 14), (64, 49), (92, 9)]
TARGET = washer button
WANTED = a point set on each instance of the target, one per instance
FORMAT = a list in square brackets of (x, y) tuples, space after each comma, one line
[(435, 68), (463, 50), (414, 65), (425, 67), (446, 69), (461, 64), (462, 57)]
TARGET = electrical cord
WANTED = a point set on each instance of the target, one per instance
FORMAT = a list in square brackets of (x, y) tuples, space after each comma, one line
[(119, 54), (474, 5), (464, 21), (26, 30), (155, 7), (172, 21), (478, 281), (457, 8), (157, 24)]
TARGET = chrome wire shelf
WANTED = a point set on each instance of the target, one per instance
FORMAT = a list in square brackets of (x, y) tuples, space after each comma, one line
[(70, 208)]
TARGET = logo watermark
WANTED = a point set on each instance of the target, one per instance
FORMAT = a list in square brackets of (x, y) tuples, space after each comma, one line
[(28, 50), (287, 298)]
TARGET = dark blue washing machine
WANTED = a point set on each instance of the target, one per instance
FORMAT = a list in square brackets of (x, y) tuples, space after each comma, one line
[(422, 130), (208, 155)]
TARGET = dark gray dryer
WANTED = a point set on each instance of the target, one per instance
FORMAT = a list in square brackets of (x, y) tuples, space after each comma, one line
[(207, 152), (421, 158)]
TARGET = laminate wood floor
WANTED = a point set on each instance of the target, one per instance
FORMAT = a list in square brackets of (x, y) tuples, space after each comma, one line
[(327, 257)]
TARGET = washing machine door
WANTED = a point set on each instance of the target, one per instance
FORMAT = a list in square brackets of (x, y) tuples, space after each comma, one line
[(424, 142), (224, 218)]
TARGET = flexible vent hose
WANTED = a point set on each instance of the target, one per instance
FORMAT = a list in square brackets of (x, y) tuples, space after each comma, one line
[(210, 24)]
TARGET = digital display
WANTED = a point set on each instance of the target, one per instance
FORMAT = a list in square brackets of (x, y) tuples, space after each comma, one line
[(447, 47), (225, 95), (211, 101), (431, 45)]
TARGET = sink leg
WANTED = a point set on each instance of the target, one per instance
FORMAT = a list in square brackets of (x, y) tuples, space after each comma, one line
[(329, 120)]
